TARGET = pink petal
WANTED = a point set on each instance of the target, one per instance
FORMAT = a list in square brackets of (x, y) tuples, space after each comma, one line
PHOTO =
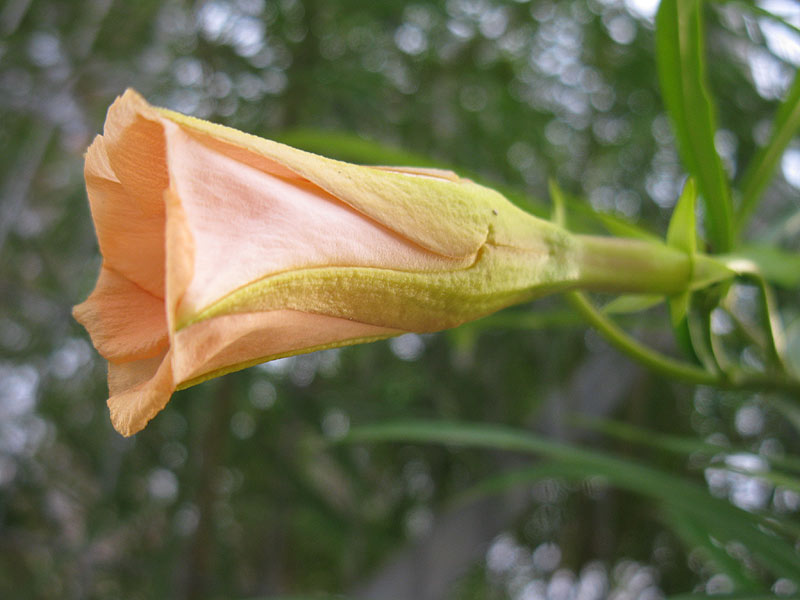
[(234, 342), (125, 321), (248, 224)]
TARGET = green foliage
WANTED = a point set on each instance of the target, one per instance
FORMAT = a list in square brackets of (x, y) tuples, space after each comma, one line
[(680, 48), (776, 265), (762, 166), (720, 520), (244, 487), (682, 235)]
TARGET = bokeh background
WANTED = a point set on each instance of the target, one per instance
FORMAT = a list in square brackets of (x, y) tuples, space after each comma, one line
[(239, 489)]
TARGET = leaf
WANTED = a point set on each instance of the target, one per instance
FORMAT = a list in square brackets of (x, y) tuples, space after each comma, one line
[(630, 434), (514, 478), (774, 477), (559, 214), (793, 346), (681, 69), (761, 12), (352, 148), (622, 228), (673, 444), (790, 410), (525, 320), (722, 520), (778, 266), (774, 325), (304, 597), (614, 224), (762, 166), (742, 596), (682, 235), (682, 230), (695, 535), (632, 303), (653, 359), (700, 337)]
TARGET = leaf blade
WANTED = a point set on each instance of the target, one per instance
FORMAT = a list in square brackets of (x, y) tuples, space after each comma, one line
[(681, 69), (762, 166), (725, 521)]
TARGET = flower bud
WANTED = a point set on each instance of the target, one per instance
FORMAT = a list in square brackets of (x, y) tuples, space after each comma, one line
[(222, 250)]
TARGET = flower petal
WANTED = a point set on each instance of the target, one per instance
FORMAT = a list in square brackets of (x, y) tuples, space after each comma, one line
[(450, 218), (139, 391), (130, 238), (125, 321), (247, 224), (222, 250), (180, 256), (134, 142), (232, 342)]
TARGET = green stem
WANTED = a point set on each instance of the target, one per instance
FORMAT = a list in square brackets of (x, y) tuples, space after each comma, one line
[(676, 369), (610, 264), (607, 264), (622, 341)]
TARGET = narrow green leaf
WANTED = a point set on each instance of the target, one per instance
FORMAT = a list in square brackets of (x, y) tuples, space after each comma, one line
[(793, 346), (790, 410), (681, 68), (682, 446), (618, 338), (559, 213), (778, 266), (630, 434), (774, 325), (723, 520), (346, 146), (702, 340), (682, 230), (615, 225), (525, 320), (695, 535), (679, 307), (774, 477), (742, 596), (762, 166), (622, 228), (631, 303), (515, 478), (682, 235), (762, 12)]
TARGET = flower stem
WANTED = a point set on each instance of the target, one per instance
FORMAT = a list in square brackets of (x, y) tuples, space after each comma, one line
[(621, 265), (634, 266), (666, 365)]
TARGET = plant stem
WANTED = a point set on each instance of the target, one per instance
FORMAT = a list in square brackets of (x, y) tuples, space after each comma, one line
[(677, 369), (610, 264), (622, 341)]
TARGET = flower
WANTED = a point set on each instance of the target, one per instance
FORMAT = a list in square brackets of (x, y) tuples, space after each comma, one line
[(222, 250)]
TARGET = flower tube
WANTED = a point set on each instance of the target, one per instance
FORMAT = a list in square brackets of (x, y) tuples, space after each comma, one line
[(222, 250)]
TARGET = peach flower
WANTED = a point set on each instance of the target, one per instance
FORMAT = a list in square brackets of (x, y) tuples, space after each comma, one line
[(222, 250)]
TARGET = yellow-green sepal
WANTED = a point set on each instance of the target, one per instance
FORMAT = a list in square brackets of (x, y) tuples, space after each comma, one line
[(682, 235)]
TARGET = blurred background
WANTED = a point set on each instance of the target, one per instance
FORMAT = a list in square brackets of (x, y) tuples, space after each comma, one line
[(239, 489)]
